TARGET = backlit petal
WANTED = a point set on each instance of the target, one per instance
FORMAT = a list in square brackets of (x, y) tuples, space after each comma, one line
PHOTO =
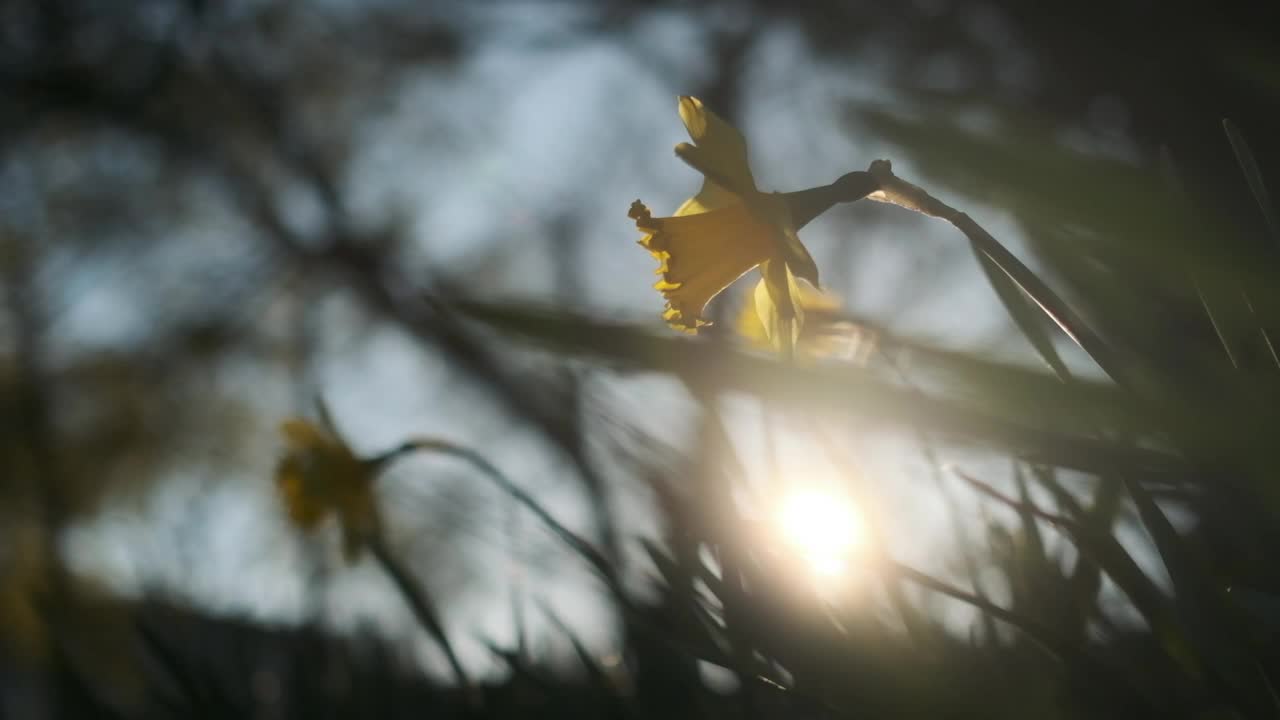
[(719, 151), (777, 300), (710, 197), (822, 334)]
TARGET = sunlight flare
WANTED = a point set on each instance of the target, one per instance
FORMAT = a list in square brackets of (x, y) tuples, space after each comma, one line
[(822, 527)]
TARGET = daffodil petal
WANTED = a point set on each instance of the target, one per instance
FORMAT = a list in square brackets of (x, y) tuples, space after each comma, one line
[(777, 301), (710, 197), (813, 299), (719, 150), (714, 170), (818, 309)]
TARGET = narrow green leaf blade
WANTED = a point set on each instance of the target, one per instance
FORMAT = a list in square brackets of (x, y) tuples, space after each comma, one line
[(1025, 314)]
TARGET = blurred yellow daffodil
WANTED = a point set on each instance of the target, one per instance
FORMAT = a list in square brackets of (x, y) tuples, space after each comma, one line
[(730, 227), (23, 581), (48, 612), (319, 475)]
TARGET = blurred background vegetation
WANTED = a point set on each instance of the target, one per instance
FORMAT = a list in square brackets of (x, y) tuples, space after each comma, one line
[(407, 220)]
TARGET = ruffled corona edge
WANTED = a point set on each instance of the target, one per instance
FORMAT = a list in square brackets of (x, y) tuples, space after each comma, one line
[(699, 255)]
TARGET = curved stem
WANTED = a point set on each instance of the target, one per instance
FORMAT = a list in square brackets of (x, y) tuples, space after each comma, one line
[(444, 447), (896, 191)]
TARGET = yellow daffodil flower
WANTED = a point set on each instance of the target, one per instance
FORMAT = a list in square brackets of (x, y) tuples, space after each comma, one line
[(319, 475), (730, 227)]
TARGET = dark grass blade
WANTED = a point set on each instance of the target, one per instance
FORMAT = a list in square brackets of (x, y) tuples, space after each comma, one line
[(1169, 173), (694, 617), (1216, 320), (197, 696), (954, 513), (586, 550), (710, 471), (627, 348), (1106, 551), (1093, 218), (1214, 630), (1030, 528), (1105, 676), (1115, 363), (697, 647), (1253, 176), (1086, 577), (1266, 335), (420, 604), (595, 673), (672, 573), (1028, 317), (1041, 181), (519, 666)]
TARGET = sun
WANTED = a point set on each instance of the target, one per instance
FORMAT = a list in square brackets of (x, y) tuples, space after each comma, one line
[(822, 527)]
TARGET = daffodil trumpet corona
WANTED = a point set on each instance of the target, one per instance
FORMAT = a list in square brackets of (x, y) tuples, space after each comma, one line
[(731, 227)]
